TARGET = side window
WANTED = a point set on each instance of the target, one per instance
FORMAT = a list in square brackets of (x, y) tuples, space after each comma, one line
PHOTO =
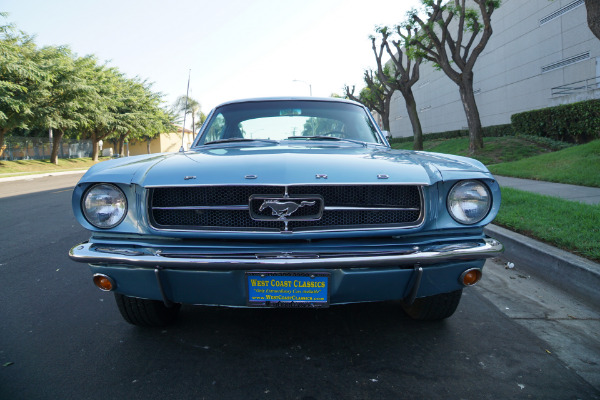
[(216, 129)]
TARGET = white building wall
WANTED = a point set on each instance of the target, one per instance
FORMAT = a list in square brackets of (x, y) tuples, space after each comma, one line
[(508, 76)]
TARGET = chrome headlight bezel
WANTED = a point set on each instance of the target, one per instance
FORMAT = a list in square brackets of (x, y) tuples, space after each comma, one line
[(113, 196), (469, 197)]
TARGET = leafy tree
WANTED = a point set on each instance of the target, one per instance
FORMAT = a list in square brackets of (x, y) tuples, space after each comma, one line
[(74, 96), (201, 120), (161, 122), (140, 115), (319, 126), (402, 75), (376, 96), (63, 98), (108, 83), (593, 16), (20, 77), (452, 37)]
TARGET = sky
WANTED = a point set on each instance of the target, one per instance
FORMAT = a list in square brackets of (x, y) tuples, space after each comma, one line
[(231, 49)]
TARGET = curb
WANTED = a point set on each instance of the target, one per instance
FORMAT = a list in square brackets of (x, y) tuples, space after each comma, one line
[(573, 274), (35, 176)]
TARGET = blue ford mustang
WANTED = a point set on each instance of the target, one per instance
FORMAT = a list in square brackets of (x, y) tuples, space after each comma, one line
[(295, 202)]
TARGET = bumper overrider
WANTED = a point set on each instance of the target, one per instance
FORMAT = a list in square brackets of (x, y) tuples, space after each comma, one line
[(182, 275)]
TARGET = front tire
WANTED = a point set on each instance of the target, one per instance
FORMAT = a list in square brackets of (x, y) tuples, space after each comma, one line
[(143, 312), (433, 308)]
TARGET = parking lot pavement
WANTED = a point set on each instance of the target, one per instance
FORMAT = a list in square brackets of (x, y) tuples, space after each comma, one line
[(568, 325), (514, 336)]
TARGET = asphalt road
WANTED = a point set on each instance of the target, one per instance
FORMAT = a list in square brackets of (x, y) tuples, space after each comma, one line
[(60, 338)]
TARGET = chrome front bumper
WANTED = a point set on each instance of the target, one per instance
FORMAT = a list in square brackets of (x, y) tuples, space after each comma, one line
[(103, 254)]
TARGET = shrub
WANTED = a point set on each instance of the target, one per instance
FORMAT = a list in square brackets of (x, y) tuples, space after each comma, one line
[(488, 131), (573, 123), (551, 144)]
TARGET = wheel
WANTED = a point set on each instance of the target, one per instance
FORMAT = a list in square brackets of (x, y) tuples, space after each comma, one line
[(433, 308), (143, 312)]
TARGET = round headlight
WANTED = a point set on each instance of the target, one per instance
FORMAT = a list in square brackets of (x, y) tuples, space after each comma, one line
[(469, 202), (104, 205)]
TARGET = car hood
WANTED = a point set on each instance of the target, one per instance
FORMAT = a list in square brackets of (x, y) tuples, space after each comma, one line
[(283, 164)]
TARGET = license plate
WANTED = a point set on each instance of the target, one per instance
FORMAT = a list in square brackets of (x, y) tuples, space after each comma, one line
[(288, 289)]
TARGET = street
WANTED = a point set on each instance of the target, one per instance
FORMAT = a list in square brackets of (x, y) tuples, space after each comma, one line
[(61, 338)]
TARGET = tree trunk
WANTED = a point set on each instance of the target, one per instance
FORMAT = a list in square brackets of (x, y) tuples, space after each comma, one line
[(472, 113), (94, 146), (121, 147), (593, 16), (385, 119), (56, 146), (385, 115), (413, 115), (148, 142), (2, 133)]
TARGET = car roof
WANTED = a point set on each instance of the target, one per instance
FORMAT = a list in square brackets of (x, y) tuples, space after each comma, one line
[(266, 99)]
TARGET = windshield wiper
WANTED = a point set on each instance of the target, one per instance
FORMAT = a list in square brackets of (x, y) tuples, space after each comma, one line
[(317, 137), (231, 140)]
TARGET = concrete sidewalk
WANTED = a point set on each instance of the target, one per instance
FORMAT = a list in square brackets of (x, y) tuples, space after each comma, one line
[(583, 194), (14, 177)]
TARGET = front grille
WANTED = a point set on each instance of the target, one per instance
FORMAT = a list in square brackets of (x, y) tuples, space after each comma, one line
[(238, 208)]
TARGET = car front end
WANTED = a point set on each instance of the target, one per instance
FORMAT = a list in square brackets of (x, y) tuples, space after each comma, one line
[(323, 214)]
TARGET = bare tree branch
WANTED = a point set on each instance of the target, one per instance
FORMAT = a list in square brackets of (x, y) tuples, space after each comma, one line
[(435, 38), (593, 16)]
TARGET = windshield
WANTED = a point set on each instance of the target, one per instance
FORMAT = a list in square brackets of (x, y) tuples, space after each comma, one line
[(289, 120)]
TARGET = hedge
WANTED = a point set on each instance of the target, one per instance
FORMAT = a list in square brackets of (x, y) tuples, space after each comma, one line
[(488, 131), (573, 123)]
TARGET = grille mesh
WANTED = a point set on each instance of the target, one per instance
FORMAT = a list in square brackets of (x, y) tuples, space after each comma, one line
[(356, 196)]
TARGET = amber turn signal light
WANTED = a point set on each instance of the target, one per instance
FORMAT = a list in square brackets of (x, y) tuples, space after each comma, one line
[(104, 282), (470, 277)]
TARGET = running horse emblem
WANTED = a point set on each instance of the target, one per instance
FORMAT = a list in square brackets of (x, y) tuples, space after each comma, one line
[(284, 209)]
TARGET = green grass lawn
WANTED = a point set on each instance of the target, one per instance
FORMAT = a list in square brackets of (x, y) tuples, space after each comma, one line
[(569, 225), (496, 150), (577, 165), (21, 167), (522, 158)]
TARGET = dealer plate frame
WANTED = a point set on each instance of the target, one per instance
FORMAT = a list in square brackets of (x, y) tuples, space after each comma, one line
[(289, 276)]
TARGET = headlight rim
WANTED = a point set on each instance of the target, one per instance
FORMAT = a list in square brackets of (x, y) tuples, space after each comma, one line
[(489, 203), (84, 210)]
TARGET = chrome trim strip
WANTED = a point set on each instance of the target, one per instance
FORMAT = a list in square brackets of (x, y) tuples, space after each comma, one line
[(336, 208), (278, 231), (245, 207), (244, 183), (151, 258), (239, 207)]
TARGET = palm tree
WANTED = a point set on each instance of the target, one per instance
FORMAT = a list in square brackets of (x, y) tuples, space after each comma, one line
[(188, 105)]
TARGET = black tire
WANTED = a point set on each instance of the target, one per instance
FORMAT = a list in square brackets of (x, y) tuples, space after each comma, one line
[(433, 308), (143, 312)]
